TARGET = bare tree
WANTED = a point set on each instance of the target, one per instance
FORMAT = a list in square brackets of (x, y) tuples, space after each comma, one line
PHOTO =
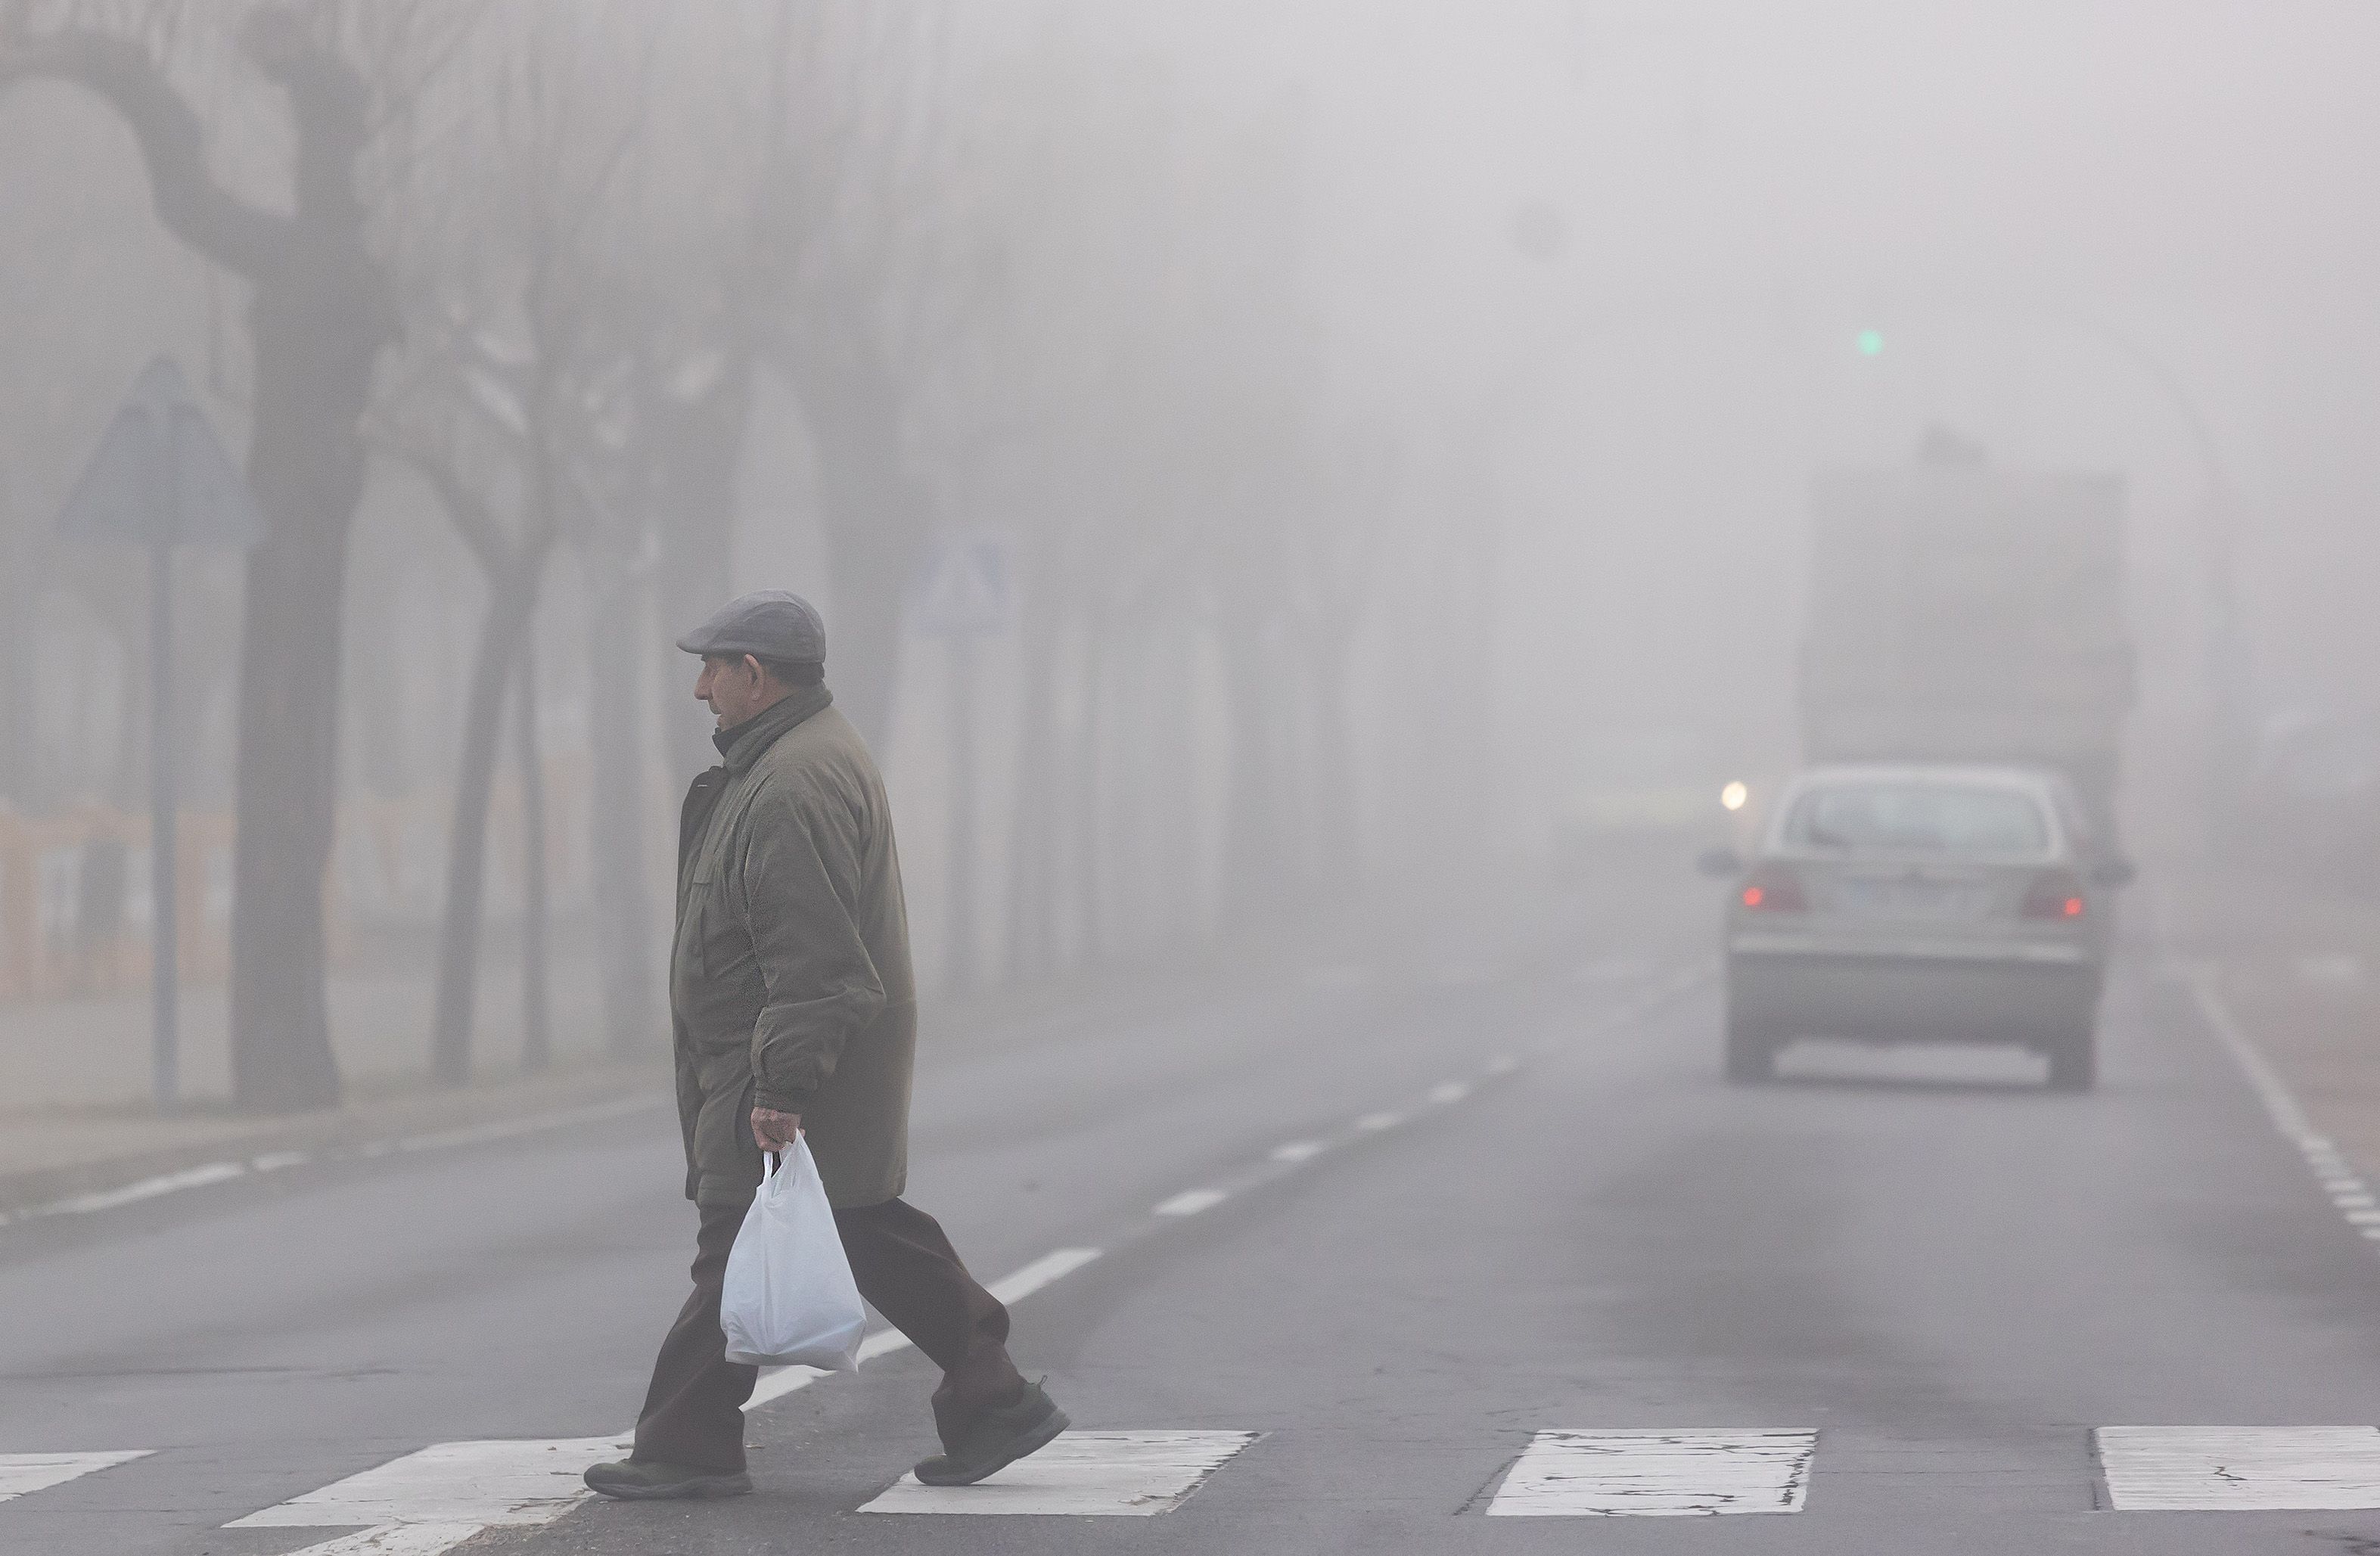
[(320, 315), (504, 404)]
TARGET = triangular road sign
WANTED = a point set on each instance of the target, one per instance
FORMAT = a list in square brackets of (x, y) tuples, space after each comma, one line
[(160, 476), (966, 588)]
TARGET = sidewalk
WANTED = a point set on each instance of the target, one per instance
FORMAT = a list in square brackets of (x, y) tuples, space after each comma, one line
[(74, 1106)]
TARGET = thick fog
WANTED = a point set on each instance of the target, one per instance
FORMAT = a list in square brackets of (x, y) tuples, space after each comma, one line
[(1251, 459)]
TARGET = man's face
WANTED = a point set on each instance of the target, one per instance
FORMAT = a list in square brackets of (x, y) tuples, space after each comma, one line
[(734, 689)]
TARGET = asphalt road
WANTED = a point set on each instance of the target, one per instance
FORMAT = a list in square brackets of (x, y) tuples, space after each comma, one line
[(1920, 1283)]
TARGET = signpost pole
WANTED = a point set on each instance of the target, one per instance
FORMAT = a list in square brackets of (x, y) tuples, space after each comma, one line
[(161, 479), (165, 943)]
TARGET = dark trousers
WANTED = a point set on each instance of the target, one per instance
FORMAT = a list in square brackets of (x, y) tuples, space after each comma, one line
[(906, 1270)]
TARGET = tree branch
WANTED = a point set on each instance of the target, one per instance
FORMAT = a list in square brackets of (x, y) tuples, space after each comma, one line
[(194, 206), (474, 520)]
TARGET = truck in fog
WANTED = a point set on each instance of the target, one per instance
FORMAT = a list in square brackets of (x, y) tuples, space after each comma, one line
[(1963, 612)]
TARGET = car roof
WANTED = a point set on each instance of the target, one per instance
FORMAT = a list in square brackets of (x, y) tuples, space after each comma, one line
[(2032, 780)]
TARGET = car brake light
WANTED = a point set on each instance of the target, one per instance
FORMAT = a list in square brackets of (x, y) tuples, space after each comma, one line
[(2055, 893), (1773, 889)]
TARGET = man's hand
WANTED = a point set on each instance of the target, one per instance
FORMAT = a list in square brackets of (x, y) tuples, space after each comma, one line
[(773, 1130)]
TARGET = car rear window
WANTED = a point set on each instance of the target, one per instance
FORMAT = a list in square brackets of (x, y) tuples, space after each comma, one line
[(1918, 818)]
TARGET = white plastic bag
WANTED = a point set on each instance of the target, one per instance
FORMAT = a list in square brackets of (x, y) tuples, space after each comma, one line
[(789, 1296)]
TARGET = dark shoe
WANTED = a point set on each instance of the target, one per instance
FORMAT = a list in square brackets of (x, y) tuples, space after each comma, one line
[(996, 1440), (650, 1480)]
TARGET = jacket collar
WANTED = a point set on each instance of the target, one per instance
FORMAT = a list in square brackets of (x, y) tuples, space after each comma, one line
[(742, 746)]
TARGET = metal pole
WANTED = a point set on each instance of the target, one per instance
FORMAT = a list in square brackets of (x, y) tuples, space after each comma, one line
[(165, 946), (962, 811)]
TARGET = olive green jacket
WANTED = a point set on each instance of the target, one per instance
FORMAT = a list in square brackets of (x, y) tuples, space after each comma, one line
[(789, 977)]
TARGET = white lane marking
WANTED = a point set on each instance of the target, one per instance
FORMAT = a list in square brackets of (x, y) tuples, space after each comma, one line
[(147, 1189), (1296, 1151), (1502, 1065), (1446, 1093), (1372, 1123), (2241, 1469), (1132, 1475), (1190, 1201), (273, 1161), (777, 1383), (436, 1499), (2323, 1157), (396, 1539), (1656, 1474), (20, 1472), (2281, 1104), (1054, 1265)]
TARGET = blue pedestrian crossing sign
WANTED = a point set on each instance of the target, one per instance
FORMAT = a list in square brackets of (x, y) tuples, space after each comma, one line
[(966, 588), (160, 476)]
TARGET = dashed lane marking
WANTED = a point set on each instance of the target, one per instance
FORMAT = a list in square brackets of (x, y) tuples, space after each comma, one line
[(777, 1383), (1190, 1201), (1296, 1151), (1125, 1474), (1658, 1473), (20, 1472), (2349, 1194), (1447, 1093), (1049, 1267), (2241, 1469), (434, 1499), (1375, 1123)]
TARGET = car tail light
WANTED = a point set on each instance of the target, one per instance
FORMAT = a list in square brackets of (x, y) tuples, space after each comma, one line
[(1773, 889), (2055, 893)]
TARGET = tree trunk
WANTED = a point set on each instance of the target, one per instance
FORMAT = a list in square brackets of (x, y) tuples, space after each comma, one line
[(966, 806), (1254, 844), (512, 597), (879, 520), (536, 1023), (1086, 856), (1338, 850), (622, 898), (1033, 831), (319, 314), (701, 454)]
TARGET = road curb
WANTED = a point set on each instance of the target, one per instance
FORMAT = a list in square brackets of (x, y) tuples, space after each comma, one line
[(368, 1128)]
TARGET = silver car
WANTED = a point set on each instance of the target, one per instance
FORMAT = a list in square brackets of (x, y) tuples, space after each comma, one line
[(1920, 904)]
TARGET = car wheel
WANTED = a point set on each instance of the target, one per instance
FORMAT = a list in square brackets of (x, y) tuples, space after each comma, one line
[(2074, 1063), (1750, 1058)]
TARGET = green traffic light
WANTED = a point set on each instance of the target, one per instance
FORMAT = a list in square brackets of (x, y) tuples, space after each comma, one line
[(1871, 343)]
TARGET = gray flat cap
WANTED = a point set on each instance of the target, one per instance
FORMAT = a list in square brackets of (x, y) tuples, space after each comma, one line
[(770, 624)]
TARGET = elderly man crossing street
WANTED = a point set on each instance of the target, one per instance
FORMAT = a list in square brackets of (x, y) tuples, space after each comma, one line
[(794, 1011)]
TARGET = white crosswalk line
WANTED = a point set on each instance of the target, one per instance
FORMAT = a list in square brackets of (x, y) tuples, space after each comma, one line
[(1656, 1474), (20, 1472), (396, 1539), (434, 1501), (1132, 1475), (2241, 1469)]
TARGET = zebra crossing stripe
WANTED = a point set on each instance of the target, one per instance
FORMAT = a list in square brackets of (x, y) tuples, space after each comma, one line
[(396, 1539), (2241, 1469), (20, 1472), (434, 1499), (1656, 1474), (1132, 1475)]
